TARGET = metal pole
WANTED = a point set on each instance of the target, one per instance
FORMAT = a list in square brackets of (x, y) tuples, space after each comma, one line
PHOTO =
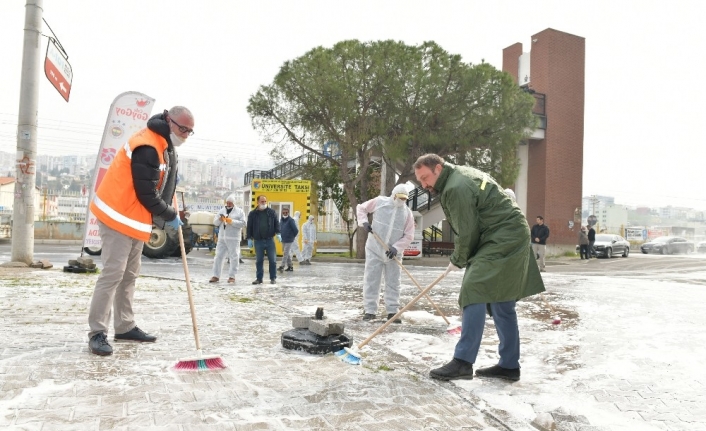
[(23, 207)]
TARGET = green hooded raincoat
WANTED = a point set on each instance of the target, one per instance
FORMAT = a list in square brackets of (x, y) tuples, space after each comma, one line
[(492, 238)]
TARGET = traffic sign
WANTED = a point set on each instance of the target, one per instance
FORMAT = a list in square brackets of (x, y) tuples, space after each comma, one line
[(58, 70)]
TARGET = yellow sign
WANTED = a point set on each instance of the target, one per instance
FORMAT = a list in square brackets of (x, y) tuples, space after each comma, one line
[(280, 186), (294, 195)]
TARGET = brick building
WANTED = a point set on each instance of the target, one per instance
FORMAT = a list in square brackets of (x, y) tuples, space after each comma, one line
[(550, 181)]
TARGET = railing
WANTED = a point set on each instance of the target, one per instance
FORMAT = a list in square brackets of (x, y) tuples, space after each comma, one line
[(434, 234), (283, 170), (421, 199)]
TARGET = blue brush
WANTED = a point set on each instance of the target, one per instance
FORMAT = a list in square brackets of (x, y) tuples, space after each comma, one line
[(352, 357), (349, 356)]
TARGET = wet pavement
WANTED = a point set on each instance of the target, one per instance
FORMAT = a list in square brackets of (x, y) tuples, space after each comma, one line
[(626, 356)]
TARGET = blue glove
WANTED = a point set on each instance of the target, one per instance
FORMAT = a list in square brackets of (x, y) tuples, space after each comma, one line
[(391, 252), (249, 242), (367, 227), (279, 237), (175, 223)]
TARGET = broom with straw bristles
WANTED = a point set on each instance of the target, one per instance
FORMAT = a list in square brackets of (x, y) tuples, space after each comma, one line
[(198, 362)]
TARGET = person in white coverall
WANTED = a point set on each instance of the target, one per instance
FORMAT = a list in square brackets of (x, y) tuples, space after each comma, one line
[(229, 221), (308, 238), (296, 251), (394, 224)]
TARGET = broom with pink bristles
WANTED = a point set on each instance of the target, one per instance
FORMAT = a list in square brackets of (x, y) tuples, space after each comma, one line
[(198, 362)]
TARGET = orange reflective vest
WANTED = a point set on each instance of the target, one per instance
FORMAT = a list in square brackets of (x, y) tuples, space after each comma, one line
[(115, 203)]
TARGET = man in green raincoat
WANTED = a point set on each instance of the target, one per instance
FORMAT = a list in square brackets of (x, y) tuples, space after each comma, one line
[(492, 242)]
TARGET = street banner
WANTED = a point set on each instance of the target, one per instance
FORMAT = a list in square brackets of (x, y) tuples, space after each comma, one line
[(128, 114)]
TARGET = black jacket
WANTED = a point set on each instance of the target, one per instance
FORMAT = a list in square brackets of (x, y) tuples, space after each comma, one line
[(145, 174), (253, 229), (592, 234), (289, 229), (541, 232)]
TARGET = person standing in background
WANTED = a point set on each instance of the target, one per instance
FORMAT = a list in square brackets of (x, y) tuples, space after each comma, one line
[(289, 229), (308, 239), (591, 242), (584, 252), (262, 227), (229, 221), (540, 233), (296, 251)]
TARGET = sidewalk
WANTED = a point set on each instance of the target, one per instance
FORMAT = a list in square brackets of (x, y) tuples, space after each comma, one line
[(611, 365)]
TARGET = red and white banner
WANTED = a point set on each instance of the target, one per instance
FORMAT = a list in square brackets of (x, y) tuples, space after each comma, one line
[(128, 114)]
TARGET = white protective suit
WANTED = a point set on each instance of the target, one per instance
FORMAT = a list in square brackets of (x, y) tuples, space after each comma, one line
[(228, 238), (394, 224), (308, 238), (296, 251)]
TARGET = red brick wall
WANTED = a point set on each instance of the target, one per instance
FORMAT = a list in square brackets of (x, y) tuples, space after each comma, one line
[(555, 166)]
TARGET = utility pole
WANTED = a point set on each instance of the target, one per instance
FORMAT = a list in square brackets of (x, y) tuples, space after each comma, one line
[(23, 207)]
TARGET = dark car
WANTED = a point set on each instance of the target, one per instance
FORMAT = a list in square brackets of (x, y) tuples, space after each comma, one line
[(668, 245), (607, 245)]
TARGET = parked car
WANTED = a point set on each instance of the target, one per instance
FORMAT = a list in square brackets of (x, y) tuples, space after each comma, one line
[(607, 245), (668, 245), (701, 247)]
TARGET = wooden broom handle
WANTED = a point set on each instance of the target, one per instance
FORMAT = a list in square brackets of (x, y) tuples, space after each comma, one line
[(188, 280), (377, 237), (405, 308)]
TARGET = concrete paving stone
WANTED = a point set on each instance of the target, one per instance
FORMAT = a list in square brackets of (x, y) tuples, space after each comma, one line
[(154, 428), (33, 426), (222, 426), (137, 407), (636, 399), (86, 411), (343, 420), (356, 406), (659, 416), (214, 394), (301, 321), (391, 412), (138, 420), (312, 423), (161, 397), (247, 426), (610, 398), (63, 402), (399, 425), (177, 418), (24, 416)]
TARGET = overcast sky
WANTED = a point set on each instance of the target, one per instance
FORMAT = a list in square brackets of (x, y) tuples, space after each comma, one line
[(645, 62)]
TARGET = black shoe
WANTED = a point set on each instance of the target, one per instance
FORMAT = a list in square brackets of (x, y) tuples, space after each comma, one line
[(280, 269), (99, 345), (456, 369), (368, 316), (289, 269), (136, 334), (499, 372), (272, 281), (391, 315), (258, 281), (240, 261)]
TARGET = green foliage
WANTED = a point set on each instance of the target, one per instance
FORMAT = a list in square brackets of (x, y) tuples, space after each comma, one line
[(390, 100)]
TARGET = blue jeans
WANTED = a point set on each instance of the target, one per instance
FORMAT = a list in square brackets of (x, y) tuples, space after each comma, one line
[(473, 323), (262, 245)]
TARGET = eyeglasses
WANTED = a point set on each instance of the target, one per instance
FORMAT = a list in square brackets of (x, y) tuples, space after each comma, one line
[(183, 129)]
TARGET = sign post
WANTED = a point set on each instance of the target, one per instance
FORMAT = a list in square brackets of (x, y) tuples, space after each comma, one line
[(58, 70)]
